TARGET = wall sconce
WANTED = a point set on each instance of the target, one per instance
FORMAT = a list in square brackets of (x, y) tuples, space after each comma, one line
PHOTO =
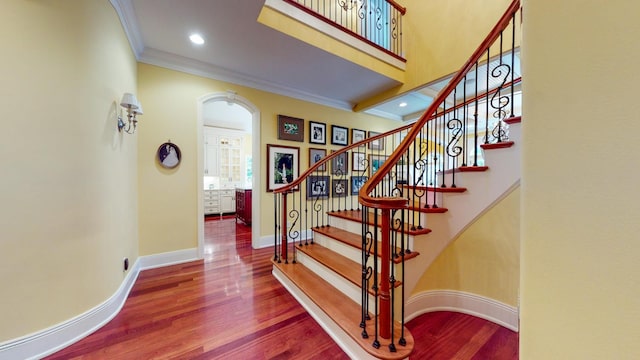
[(134, 108)]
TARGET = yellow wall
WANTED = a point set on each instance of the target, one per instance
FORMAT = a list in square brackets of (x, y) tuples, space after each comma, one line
[(580, 256), (439, 37), (68, 194), (168, 199), (484, 259)]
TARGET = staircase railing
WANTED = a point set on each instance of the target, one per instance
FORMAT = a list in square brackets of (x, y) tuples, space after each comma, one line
[(392, 180), (377, 22), (439, 142)]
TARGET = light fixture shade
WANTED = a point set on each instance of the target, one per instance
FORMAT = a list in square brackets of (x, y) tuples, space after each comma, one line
[(129, 101), (138, 111)]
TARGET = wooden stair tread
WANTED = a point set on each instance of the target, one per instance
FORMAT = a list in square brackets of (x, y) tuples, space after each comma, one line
[(473, 168), (341, 265), (356, 215), (344, 312), (500, 145), (355, 240), (429, 210), (437, 189), (513, 120)]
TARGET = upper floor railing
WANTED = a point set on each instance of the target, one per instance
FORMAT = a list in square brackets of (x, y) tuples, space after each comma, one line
[(377, 22)]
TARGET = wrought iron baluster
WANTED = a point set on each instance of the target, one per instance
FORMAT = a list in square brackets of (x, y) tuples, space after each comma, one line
[(475, 121)]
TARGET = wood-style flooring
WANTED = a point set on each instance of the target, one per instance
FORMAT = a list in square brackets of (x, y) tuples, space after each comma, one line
[(229, 306)]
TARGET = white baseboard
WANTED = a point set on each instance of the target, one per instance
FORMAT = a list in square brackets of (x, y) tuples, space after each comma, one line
[(57, 337), (168, 258), (462, 302)]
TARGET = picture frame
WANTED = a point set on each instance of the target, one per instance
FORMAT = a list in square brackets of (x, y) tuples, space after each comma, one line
[(340, 164), (376, 144), (283, 164), (317, 133), (169, 155), (376, 161), (339, 188), (339, 135), (358, 161), (356, 183), (357, 135), (290, 128), (316, 155), (318, 186)]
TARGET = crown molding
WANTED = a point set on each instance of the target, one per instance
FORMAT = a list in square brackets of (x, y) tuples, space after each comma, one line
[(129, 22), (180, 63)]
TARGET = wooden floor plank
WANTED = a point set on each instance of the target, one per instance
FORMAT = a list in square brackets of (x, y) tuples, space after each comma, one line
[(229, 306)]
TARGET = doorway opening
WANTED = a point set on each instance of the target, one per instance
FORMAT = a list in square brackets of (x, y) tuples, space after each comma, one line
[(228, 159)]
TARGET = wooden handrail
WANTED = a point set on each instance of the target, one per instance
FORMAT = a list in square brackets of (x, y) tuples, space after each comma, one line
[(326, 159), (367, 188), (400, 8)]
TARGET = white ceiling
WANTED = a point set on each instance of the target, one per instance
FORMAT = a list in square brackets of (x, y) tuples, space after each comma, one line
[(240, 50)]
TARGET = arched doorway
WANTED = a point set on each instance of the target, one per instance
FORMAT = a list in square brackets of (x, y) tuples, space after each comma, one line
[(230, 99)]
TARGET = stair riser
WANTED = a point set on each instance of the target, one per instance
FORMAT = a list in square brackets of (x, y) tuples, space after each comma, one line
[(341, 284), (345, 250), (356, 227)]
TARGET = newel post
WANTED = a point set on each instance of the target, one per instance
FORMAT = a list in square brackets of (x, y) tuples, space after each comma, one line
[(384, 316)]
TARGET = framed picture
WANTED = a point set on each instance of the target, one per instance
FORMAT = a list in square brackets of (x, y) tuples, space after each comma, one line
[(290, 128), (317, 132), (169, 155), (283, 164), (376, 162), (318, 187), (376, 144), (339, 188), (339, 135), (358, 161), (339, 164), (356, 183), (316, 155), (357, 135)]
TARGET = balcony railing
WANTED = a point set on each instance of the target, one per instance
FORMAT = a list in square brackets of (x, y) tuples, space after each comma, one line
[(377, 22)]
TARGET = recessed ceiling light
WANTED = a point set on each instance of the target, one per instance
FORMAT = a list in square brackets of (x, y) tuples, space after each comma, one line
[(402, 104), (196, 39)]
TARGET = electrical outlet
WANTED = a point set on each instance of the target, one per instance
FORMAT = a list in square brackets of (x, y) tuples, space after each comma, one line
[(126, 264)]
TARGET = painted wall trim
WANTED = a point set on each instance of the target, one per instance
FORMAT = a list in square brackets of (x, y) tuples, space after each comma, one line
[(463, 302), (59, 336)]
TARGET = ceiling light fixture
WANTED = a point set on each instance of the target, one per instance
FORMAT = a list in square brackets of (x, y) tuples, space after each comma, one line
[(196, 39)]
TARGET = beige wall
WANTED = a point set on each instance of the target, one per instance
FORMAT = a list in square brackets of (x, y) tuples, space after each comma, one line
[(168, 199), (580, 257), (69, 182), (484, 259)]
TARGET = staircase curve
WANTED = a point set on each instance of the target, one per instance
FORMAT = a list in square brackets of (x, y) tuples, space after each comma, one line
[(350, 242)]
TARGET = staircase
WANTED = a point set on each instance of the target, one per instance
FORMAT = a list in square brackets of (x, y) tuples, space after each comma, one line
[(352, 260)]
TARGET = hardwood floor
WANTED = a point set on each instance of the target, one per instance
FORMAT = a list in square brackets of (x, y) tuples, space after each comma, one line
[(229, 306)]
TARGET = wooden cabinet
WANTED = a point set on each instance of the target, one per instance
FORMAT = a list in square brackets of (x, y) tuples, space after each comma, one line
[(227, 201), (219, 202), (243, 205), (211, 202), (224, 156)]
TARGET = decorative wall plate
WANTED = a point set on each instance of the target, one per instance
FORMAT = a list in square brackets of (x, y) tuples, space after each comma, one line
[(169, 155)]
